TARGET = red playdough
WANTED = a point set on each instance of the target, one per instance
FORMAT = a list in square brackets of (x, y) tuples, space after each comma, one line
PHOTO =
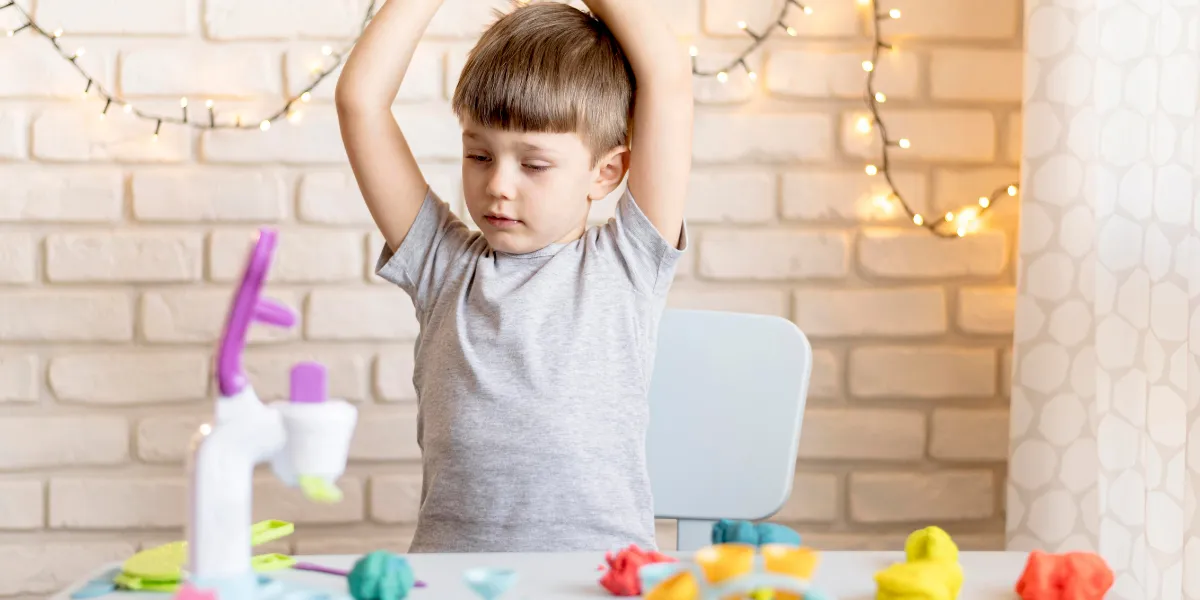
[(622, 576), (1069, 576)]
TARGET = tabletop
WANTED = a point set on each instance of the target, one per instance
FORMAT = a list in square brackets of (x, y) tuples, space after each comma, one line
[(574, 576)]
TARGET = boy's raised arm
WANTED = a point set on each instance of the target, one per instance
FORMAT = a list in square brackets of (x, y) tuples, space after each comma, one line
[(383, 164), (661, 153)]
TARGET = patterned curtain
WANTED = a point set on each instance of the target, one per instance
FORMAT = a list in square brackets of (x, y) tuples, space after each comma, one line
[(1105, 422)]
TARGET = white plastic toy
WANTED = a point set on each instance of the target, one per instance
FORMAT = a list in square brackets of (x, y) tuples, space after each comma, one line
[(306, 440)]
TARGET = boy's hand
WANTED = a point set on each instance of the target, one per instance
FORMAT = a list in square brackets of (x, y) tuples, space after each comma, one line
[(387, 174), (661, 152)]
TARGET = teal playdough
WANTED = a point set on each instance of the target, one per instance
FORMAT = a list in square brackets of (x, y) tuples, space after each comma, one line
[(381, 575), (728, 531)]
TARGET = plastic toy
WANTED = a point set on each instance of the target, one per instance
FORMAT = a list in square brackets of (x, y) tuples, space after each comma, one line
[(624, 570), (930, 571), (307, 566), (490, 583), (1068, 576), (306, 441), (380, 575), (779, 571), (727, 531), (160, 569)]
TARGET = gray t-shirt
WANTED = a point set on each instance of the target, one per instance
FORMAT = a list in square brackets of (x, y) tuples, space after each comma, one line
[(532, 372)]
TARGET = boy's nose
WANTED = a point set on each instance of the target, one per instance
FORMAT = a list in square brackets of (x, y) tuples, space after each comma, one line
[(500, 184)]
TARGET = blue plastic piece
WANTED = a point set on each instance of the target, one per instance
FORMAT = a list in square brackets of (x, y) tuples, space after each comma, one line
[(728, 531), (94, 589), (490, 583)]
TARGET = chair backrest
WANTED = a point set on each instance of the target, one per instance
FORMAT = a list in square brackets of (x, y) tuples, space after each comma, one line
[(727, 401)]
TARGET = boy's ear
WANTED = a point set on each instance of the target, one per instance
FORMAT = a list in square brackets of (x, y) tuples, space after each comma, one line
[(609, 172)]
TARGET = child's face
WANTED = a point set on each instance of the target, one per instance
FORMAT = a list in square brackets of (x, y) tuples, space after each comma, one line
[(526, 190)]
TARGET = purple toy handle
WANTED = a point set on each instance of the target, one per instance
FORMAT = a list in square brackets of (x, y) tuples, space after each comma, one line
[(248, 307), (307, 566)]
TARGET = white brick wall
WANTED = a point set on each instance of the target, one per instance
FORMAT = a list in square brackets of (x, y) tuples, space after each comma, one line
[(117, 253)]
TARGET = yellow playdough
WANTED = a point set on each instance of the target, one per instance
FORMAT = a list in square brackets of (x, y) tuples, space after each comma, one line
[(931, 571)]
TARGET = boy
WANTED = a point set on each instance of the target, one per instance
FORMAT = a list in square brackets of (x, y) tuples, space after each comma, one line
[(537, 334)]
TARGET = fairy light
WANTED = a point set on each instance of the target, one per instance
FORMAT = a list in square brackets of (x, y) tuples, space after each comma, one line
[(93, 87), (757, 39)]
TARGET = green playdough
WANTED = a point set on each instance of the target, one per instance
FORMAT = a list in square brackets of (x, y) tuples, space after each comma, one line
[(381, 575)]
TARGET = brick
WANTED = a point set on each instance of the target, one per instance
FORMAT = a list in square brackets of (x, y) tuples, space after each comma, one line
[(75, 134), (422, 81), (754, 301), (362, 314), (871, 312), (432, 133), (465, 18), (45, 568), (301, 256), (738, 86), (32, 69), (119, 17), (270, 371), (950, 135), (200, 70), (74, 195), (198, 316), (955, 19), (394, 375), (826, 375), (20, 378), (18, 258), (65, 316), (127, 256), (14, 127), (48, 442), (815, 497), (21, 504), (388, 435), (984, 75), (209, 195), (111, 503), (969, 435), (922, 372), (917, 254), (830, 18), (333, 198), (274, 500), (395, 498), (850, 196), (987, 310), (775, 254), (130, 379), (779, 137), (392, 541), (862, 434), (959, 188), (731, 196), (166, 439), (924, 497), (283, 19), (1006, 372), (805, 74)]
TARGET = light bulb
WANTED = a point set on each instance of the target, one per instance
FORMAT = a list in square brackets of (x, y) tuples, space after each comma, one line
[(752, 75), (949, 216), (872, 170), (128, 109), (791, 31), (808, 10), (79, 52), (1012, 190), (904, 143), (208, 104), (879, 97), (984, 202), (741, 24), (894, 13), (58, 32), (722, 76), (183, 103), (693, 51), (326, 50), (265, 125), (863, 125), (918, 220), (868, 66)]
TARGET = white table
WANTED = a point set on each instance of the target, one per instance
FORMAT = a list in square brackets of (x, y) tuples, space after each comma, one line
[(848, 575)]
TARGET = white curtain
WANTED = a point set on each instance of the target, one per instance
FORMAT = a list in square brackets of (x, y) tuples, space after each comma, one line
[(1105, 427)]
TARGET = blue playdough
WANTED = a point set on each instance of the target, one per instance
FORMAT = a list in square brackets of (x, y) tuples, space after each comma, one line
[(381, 575), (728, 531)]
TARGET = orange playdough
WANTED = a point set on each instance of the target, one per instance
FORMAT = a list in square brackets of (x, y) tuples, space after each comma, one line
[(1069, 576)]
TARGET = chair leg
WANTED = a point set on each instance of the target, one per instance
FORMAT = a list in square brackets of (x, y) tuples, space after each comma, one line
[(693, 534)]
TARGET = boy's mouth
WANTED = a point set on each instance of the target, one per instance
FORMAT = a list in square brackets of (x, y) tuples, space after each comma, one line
[(501, 222)]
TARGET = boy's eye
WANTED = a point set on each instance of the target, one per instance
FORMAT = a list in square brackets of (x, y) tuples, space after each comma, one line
[(478, 157), (537, 167)]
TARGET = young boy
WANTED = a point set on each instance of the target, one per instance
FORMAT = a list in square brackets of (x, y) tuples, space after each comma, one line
[(537, 333)]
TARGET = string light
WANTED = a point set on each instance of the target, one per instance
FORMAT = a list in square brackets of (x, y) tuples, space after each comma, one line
[(722, 73), (321, 70)]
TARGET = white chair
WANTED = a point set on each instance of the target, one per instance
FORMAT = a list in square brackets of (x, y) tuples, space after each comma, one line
[(727, 401)]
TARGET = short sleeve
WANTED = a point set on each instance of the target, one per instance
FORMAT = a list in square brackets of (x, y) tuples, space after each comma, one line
[(649, 258), (436, 247)]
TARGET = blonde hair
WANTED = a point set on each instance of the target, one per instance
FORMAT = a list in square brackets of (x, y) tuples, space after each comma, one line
[(549, 67)]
